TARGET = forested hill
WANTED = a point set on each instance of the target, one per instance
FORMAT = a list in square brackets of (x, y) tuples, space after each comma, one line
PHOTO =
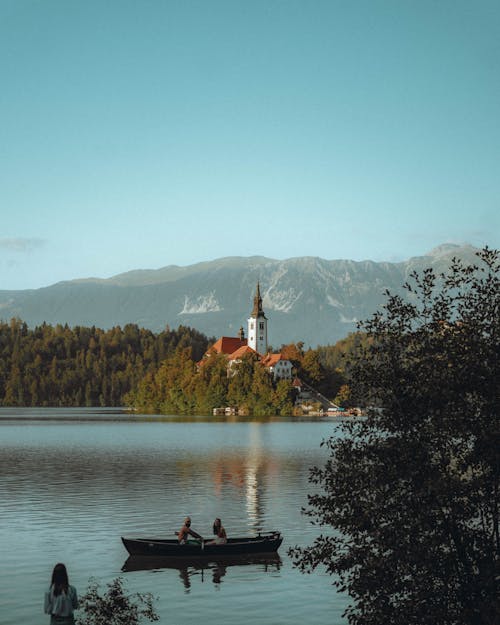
[(88, 366), (83, 366), (306, 299)]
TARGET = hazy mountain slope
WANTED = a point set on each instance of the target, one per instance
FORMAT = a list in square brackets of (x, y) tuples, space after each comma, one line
[(310, 299)]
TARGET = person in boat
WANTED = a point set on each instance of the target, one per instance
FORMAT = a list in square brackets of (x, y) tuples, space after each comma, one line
[(220, 533), (61, 598), (186, 531)]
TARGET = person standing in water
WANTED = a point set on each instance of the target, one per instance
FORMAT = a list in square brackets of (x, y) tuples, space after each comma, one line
[(61, 598)]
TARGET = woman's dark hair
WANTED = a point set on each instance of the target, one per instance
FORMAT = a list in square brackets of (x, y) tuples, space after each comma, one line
[(216, 525), (60, 579)]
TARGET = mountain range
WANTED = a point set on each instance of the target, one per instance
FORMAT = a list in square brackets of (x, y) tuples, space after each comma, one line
[(306, 299)]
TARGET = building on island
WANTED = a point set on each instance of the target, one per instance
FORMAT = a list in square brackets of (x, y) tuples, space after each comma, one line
[(280, 367), (257, 325), (235, 347)]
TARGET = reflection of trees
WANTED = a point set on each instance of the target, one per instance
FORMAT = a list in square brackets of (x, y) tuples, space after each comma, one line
[(82, 467), (61, 468)]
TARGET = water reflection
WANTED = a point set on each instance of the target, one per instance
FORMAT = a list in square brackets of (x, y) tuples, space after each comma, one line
[(72, 483), (203, 568)]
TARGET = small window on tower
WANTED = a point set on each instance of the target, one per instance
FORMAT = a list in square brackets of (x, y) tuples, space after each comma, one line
[(261, 325)]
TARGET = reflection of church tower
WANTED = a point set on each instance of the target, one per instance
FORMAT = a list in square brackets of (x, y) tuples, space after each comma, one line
[(255, 477), (257, 325)]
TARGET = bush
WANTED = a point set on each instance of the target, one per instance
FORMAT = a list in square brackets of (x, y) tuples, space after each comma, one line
[(115, 606)]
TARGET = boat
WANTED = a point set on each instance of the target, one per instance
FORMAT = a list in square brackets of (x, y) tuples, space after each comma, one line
[(268, 542)]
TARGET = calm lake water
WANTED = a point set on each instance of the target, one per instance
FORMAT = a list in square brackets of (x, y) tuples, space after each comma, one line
[(72, 481)]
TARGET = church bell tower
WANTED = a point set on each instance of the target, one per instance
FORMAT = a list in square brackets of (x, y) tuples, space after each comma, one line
[(257, 325)]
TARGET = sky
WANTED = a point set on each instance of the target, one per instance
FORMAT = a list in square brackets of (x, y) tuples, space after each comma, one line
[(141, 134)]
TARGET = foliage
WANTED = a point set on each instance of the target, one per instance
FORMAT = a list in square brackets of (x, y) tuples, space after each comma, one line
[(181, 387), (115, 606), (337, 362), (343, 397), (82, 366), (293, 352), (411, 494), (283, 397), (62, 366), (341, 355), (321, 368)]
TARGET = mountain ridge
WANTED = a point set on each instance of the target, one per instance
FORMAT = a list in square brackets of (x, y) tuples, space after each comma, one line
[(307, 299)]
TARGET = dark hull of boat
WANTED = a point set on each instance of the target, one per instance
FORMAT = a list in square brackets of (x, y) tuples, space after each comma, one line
[(268, 543)]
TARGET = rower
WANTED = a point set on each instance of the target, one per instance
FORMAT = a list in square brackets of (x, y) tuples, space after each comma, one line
[(186, 531)]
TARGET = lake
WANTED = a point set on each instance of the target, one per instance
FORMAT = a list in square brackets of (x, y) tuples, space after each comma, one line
[(72, 481)]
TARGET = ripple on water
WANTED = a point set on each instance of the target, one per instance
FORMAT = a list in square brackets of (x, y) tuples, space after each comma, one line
[(70, 489)]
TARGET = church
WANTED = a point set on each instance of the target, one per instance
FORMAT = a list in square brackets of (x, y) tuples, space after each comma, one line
[(235, 347)]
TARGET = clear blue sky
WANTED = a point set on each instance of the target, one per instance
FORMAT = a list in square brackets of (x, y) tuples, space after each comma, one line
[(144, 133)]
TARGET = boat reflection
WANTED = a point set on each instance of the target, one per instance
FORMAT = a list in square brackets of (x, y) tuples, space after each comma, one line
[(216, 567)]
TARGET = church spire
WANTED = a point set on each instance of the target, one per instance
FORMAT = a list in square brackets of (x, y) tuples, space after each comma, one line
[(257, 304)]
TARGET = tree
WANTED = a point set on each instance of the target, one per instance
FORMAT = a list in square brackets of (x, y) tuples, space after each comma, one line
[(312, 369), (343, 396), (59, 366), (411, 493), (262, 391), (293, 352), (283, 397), (239, 391), (212, 382), (115, 606)]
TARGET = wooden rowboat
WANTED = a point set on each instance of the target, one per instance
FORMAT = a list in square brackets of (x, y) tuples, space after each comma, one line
[(165, 547)]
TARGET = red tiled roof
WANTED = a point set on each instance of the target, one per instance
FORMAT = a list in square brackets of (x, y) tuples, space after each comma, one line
[(241, 351), (235, 348), (271, 359), (227, 345)]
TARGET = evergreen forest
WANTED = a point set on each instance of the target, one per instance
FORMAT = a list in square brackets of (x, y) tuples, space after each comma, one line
[(82, 366), (153, 372)]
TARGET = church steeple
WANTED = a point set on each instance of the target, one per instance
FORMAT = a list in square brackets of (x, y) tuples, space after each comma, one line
[(257, 304), (257, 325)]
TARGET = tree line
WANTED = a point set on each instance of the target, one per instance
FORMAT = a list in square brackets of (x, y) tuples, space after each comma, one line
[(155, 372), (83, 366)]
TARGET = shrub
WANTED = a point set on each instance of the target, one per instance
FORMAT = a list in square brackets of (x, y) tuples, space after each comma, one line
[(114, 606)]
